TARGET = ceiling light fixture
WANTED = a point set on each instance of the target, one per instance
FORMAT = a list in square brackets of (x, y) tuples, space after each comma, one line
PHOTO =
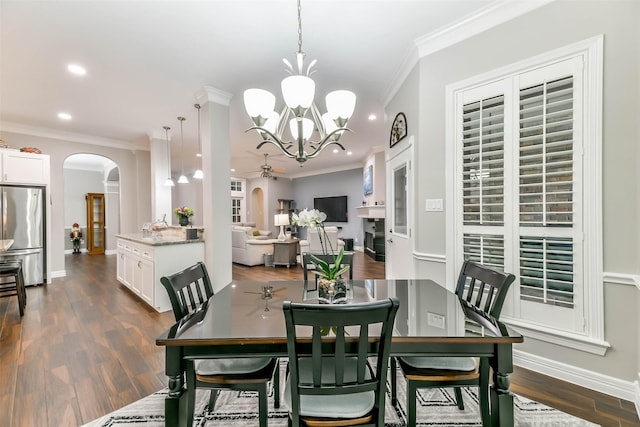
[(182, 179), (77, 69), (169, 181), (64, 116), (298, 91), (198, 173)]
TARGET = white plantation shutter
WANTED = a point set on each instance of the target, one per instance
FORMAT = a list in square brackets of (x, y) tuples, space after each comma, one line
[(546, 154), (483, 162), (520, 209)]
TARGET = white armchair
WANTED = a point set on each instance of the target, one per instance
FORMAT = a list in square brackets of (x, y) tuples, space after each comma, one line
[(313, 245), (248, 245)]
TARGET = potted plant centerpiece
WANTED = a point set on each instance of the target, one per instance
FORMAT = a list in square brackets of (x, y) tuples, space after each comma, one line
[(184, 213), (331, 286)]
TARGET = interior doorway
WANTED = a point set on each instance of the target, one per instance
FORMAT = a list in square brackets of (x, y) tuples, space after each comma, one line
[(84, 174), (257, 207)]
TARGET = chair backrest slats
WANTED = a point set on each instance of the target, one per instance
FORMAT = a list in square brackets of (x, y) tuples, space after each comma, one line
[(343, 352), (188, 289), (483, 287)]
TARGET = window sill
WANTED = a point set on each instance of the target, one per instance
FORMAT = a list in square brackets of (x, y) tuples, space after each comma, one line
[(566, 339)]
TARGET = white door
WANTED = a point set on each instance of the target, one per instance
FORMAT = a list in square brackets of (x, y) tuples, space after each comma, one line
[(399, 223)]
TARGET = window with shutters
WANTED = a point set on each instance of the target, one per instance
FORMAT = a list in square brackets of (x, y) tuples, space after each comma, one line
[(525, 197)]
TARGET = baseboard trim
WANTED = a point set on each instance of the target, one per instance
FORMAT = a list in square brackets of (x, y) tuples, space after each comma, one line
[(58, 274), (637, 401), (627, 390)]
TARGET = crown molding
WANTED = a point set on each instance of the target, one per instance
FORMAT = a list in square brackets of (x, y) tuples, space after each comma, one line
[(71, 137), (328, 170), (494, 14), (410, 61), (211, 94)]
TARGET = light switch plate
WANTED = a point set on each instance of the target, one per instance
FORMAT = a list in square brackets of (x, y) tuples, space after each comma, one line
[(433, 205)]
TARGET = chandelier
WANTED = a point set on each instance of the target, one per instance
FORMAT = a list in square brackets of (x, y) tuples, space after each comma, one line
[(298, 91)]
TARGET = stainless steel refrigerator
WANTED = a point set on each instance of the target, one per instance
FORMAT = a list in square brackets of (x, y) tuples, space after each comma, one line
[(23, 220)]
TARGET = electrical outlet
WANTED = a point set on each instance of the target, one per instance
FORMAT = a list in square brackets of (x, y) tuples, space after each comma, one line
[(436, 320)]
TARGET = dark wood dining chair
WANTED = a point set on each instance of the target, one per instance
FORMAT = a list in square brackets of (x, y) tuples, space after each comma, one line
[(189, 289), (308, 266), (13, 282), (331, 382), (484, 289)]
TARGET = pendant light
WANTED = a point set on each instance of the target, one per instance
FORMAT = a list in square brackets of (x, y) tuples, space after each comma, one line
[(183, 179), (198, 173), (169, 181)]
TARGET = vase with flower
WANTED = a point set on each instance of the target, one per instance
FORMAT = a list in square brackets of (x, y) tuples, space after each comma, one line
[(329, 269), (184, 213)]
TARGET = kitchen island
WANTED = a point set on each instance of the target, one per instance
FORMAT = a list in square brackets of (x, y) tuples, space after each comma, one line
[(143, 260)]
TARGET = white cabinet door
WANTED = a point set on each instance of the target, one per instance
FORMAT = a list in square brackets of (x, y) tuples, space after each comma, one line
[(129, 270), (25, 168), (120, 266), (144, 280)]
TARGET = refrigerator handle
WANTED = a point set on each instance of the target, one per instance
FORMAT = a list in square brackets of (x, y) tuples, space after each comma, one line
[(3, 203)]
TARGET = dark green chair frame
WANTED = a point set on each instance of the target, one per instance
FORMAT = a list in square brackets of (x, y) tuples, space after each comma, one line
[(485, 290), (189, 289), (347, 259), (380, 314), (13, 269)]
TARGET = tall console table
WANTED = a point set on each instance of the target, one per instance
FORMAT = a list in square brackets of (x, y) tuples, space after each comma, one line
[(285, 252)]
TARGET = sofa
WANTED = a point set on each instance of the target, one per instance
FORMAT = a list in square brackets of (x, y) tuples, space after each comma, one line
[(312, 243), (248, 245)]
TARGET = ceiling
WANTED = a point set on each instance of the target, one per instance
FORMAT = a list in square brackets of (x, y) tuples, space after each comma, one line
[(147, 60)]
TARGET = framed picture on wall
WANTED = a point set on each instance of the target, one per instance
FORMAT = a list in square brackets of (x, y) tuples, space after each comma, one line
[(368, 180), (398, 129)]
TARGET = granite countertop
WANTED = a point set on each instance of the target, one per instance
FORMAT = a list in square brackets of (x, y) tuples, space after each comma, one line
[(157, 241)]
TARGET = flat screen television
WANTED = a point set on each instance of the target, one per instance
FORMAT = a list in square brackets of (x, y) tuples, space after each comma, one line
[(334, 207)]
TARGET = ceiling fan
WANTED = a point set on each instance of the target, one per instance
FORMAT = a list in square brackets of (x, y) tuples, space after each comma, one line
[(268, 170)]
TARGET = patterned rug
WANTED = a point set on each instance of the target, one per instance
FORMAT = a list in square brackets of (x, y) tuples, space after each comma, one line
[(436, 407)]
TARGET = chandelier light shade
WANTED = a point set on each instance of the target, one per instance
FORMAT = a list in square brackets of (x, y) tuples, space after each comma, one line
[(298, 92), (169, 181), (182, 179), (198, 173), (280, 220)]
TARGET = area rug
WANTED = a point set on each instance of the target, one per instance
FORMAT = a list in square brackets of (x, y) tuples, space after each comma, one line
[(436, 407)]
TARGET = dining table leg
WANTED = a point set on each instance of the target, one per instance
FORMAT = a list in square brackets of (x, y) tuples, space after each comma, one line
[(175, 404), (501, 398)]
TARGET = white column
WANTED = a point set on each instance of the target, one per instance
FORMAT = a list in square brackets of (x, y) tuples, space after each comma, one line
[(160, 171), (216, 187)]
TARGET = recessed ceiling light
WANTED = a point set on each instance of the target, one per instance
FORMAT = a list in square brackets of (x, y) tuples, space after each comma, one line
[(372, 116), (77, 69), (349, 153), (233, 170), (64, 116), (335, 150)]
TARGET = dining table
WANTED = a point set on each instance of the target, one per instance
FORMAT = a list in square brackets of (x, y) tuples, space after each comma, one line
[(245, 319)]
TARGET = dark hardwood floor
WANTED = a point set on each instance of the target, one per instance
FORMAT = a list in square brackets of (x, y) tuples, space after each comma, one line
[(86, 346)]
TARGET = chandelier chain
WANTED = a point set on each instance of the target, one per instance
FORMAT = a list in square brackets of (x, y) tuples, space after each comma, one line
[(299, 28)]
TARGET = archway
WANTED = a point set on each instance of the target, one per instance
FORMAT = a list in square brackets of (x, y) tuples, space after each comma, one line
[(257, 207), (91, 173)]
